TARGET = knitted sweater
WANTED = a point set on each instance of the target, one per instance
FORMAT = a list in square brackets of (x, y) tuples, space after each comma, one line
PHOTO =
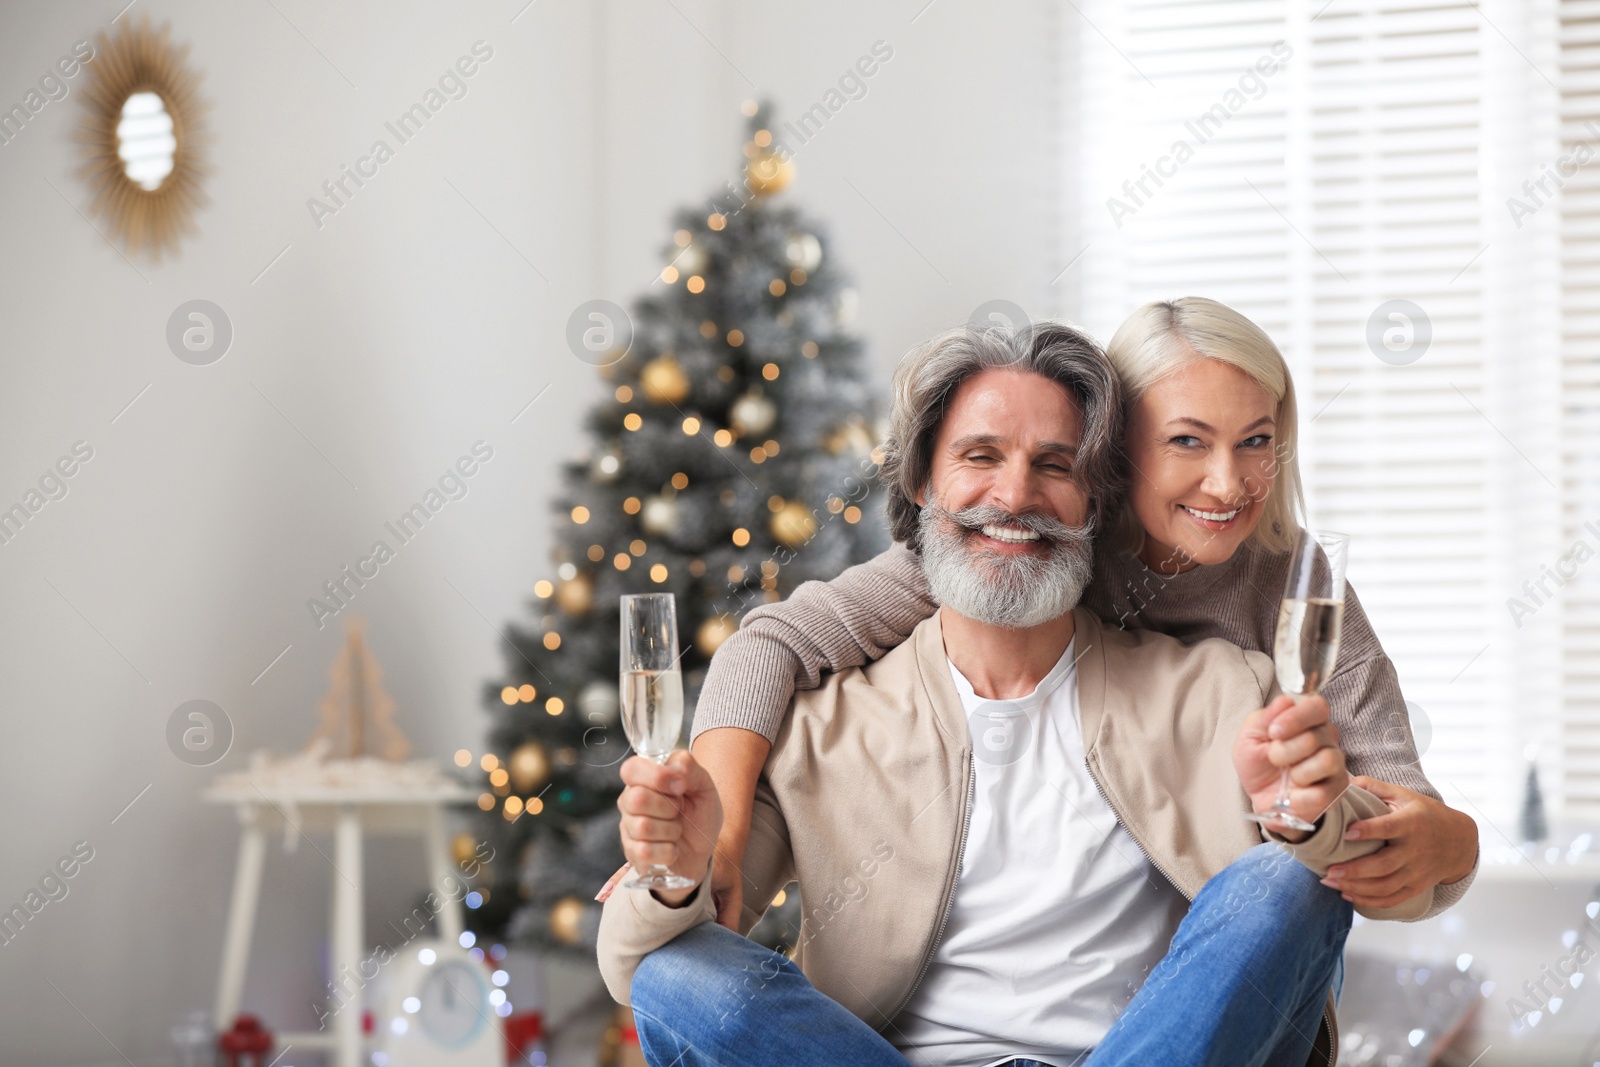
[(874, 606)]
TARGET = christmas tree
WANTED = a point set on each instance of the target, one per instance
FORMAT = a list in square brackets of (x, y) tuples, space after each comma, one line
[(1531, 822), (732, 460)]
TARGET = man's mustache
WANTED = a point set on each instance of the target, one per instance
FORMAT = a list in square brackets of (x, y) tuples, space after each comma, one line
[(1050, 529)]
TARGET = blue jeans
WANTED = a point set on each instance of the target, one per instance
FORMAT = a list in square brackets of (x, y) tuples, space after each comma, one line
[(1242, 984)]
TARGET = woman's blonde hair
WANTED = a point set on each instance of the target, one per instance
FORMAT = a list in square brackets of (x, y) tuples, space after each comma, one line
[(1165, 335)]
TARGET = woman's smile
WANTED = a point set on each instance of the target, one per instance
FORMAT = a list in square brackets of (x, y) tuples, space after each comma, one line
[(1215, 519)]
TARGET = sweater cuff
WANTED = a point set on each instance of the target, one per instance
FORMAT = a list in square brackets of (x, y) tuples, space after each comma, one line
[(1446, 896), (1327, 845), (633, 924)]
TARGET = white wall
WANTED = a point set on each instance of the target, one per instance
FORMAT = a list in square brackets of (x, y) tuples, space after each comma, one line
[(388, 341)]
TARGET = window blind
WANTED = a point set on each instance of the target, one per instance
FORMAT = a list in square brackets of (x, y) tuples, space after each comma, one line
[(1580, 400), (1314, 166)]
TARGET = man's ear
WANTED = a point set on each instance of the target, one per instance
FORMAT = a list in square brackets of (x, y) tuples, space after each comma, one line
[(921, 498)]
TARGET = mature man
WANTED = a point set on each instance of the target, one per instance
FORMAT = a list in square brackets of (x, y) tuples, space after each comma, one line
[(999, 827)]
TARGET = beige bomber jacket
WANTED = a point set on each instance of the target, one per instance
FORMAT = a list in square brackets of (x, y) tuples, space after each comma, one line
[(864, 799)]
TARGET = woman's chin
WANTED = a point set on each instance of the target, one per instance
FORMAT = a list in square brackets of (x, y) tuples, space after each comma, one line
[(1192, 545), (1218, 550), (1212, 547)]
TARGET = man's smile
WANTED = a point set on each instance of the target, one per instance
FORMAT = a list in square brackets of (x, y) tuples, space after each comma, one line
[(1007, 539)]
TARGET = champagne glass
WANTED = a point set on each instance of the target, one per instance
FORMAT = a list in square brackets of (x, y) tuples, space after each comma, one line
[(1307, 644), (652, 697)]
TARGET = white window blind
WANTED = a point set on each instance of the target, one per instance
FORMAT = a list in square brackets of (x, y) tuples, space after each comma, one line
[(1580, 389), (1309, 164)]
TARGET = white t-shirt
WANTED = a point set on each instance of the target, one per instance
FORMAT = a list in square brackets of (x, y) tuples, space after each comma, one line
[(1058, 916)]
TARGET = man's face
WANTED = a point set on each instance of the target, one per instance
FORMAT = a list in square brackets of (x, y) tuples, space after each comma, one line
[(1009, 438), (1002, 516)]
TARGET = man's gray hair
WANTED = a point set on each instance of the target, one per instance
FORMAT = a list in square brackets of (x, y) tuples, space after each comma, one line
[(929, 376)]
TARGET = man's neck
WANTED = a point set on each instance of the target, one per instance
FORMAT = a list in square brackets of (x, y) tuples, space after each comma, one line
[(1003, 664)]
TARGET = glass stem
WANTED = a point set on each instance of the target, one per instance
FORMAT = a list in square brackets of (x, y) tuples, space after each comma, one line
[(1282, 803), (659, 870)]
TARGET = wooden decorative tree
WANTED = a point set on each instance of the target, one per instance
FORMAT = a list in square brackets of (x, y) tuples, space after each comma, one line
[(356, 702)]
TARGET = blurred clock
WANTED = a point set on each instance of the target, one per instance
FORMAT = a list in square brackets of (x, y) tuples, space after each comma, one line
[(455, 1003), (435, 1010)]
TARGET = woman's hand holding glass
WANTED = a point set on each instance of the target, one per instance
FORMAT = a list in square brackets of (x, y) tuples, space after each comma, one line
[(1429, 843)]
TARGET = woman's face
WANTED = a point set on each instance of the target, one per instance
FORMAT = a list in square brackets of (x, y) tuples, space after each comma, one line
[(1200, 442)]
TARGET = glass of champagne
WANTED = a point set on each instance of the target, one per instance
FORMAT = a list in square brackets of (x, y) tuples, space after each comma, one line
[(1307, 644), (652, 697)]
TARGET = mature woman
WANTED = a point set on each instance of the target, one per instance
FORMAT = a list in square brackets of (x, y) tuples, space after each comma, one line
[(1200, 549)]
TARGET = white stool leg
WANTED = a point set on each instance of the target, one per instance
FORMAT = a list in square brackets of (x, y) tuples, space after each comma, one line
[(241, 917), (347, 931), (445, 876)]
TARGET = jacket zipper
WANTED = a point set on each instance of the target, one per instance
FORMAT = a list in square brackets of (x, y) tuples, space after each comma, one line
[(1327, 1029), (1123, 823), (950, 899)]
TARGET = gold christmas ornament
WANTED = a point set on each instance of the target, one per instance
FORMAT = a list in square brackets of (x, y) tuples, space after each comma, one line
[(803, 251), (664, 380), (851, 437), (614, 1051), (752, 415), (575, 595), (659, 515), (793, 525), (845, 304), (691, 260), (715, 630), (564, 920), (463, 849), (528, 767), (606, 466), (599, 702), (767, 172)]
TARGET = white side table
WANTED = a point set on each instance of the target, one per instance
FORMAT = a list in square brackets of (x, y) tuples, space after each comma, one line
[(350, 811)]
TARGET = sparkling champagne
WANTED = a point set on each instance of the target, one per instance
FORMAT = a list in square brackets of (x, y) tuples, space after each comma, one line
[(652, 711), (1307, 643)]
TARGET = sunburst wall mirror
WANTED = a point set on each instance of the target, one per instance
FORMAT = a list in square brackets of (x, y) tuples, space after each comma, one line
[(144, 139)]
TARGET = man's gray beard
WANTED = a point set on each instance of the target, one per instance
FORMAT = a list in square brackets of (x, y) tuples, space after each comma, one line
[(1014, 591)]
